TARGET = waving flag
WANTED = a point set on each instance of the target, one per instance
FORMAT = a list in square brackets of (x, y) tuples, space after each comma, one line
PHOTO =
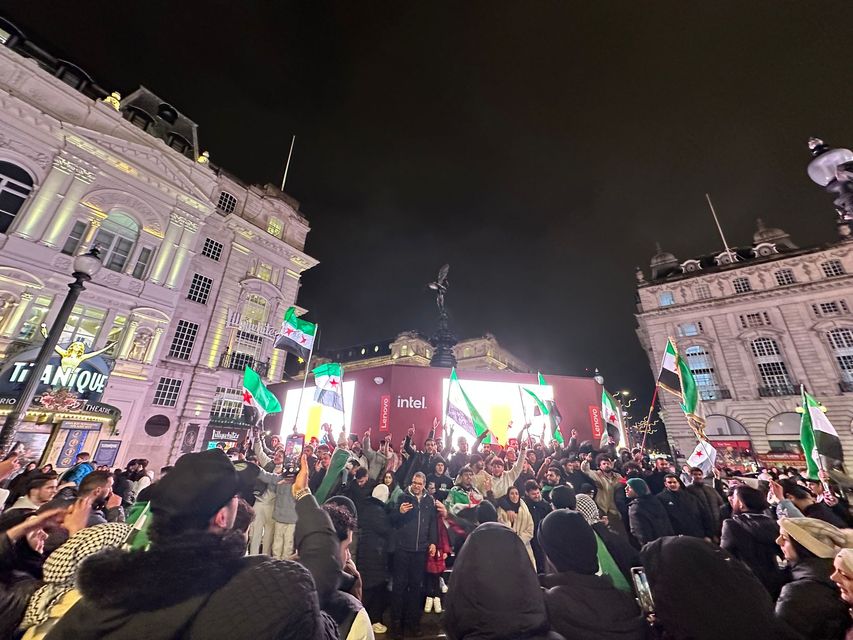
[(704, 456), (668, 375), (547, 408), (817, 435), (256, 395), (329, 381), (462, 412), (297, 335), (612, 419)]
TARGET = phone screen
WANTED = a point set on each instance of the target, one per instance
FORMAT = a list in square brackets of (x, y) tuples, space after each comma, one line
[(644, 592), (292, 451)]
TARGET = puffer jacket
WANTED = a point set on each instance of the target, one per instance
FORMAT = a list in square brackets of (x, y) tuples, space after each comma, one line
[(811, 604), (751, 538)]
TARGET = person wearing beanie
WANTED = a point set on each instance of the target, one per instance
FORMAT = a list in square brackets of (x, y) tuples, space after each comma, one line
[(810, 603), (196, 567), (581, 604), (486, 512), (647, 517), (564, 497), (439, 479)]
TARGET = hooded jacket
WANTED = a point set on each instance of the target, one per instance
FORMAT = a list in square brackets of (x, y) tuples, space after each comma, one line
[(374, 533), (811, 604), (648, 519), (751, 538)]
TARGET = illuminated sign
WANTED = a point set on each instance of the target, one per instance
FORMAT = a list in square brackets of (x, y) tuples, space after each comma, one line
[(236, 321), (384, 412), (411, 403), (313, 415)]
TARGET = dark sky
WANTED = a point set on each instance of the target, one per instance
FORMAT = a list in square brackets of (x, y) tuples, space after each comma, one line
[(538, 147)]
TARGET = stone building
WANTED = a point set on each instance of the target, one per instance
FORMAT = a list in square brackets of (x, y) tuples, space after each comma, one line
[(754, 323), (198, 266)]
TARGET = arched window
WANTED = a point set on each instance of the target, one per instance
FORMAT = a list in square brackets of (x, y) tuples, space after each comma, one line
[(115, 238), (784, 424), (771, 368), (256, 309), (15, 187), (724, 426), (841, 341)]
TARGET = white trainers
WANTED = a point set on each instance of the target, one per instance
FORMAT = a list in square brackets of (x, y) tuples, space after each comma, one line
[(378, 627), (437, 605), (442, 585), (428, 605)]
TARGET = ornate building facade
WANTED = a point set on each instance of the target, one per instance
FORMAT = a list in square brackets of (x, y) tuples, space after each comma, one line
[(198, 267), (754, 323)]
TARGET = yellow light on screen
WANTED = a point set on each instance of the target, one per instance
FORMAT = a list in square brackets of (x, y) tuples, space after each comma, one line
[(500, 417)]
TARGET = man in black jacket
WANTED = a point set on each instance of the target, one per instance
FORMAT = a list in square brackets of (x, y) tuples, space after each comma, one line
[(414, 519), (687, 516), (538, 509), (646, 515), (196, 574)]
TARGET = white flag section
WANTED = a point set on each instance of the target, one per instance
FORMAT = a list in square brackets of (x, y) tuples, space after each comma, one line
[(704, 456)]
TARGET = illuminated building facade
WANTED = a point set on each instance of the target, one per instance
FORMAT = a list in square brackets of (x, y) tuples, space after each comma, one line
[(753, 325), (197, 266)]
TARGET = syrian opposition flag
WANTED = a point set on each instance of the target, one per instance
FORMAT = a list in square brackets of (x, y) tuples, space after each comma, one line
[(818, 437), (329, 381), (547, 408), (612, 419), (296, 335), (668, 376), (704, 456), (256, 395), (461, 412)]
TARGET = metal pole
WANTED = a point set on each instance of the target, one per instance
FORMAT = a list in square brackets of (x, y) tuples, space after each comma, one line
[(302, 391), (287, 166), (15, 417)]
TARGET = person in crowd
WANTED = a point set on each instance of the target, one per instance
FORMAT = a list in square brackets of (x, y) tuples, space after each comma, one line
[(538, 508), (486, 512), (123, 487), (494, 592), (374, 538), (607, 483), (463, 495), (139, 475), (263, 527), (17, 486), (499, 480), (173, 590), (394, 490), (687, 515), (459, 459), (435, 564), (377, 459), (624, 555), (843, 577), (244, 518), (656, 478), (48, 468), (82, 467), (564, 497), (40, 489), (581, 604), (513, 512), (413, 517), (356, 452), (341, 512), (750, 536), (439, 478), (553, 477), (810, 603), (284, 514), (318, 472), (573, 474), (421, 461), (647, 516), (809, 506), (701, 593), (708, 497)]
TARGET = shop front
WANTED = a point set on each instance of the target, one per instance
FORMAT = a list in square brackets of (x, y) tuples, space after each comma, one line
[(735, 454)]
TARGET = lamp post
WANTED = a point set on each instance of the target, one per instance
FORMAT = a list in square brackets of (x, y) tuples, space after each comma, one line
[(832, 169), (85, 266)]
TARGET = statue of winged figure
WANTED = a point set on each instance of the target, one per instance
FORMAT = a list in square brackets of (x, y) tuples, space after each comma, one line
[(440, 287)]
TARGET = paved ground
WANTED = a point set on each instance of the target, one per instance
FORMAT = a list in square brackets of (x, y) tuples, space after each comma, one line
[(430, 629)]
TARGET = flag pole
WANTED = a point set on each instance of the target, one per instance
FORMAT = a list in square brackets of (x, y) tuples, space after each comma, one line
[(304, 381), (287, 166), (649, 417), (720, 229)]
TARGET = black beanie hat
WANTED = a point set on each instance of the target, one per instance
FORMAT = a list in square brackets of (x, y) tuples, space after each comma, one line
[(486, 512), (563, 497), (569, 542)]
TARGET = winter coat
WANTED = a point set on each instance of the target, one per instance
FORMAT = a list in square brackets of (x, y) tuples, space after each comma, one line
[(415, 530), (811, 604), (589, 606), (436, 564), (820, 511), (751, 538), (456, 462), (687, 516), (20, 576), (190, 586), (624, 555), (376, 460), (655, 480), (374, 533), (76, 473), (443, 484), (648, 519), (578, 479), (523, 526), (711, 499), (605, 497), (284, 509), (538, 511)]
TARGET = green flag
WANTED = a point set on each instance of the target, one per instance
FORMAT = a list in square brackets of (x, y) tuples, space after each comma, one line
[(329, 381), (817, 436), (297, 335), (548, 408), (256, 395), (461, 411)]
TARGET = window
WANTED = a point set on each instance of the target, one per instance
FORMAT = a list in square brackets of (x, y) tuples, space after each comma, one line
[(666, 298), (275, 227), (83, 325), (832, 268), (784, 424), (35, 316), (142, 263), (74, 238), (741, 285), (227, 203), (212, 249), (264, 271), (718, 425), (771, 367), (841, 342), (752, 320), (247, 349), (15, 187), (182, 343), (199, 288), (785, 277), (765, 347), (166, 394), (689, 329), (114, 336), (138, 118), (255, 309), (227, 403), (115, 238), (703, 292), (831, 308), (699, 361)]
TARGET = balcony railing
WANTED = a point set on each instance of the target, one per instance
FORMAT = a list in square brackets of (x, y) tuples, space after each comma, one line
[(229, 421), (714, 393), (791, 389), (846, 386), (240, 361)]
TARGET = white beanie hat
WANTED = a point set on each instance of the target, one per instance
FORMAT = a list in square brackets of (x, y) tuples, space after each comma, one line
[(380, 492)]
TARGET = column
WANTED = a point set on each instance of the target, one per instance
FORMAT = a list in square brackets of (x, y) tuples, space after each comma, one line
[(127, 340), (182, 255), (54, 236), (33, 220), (89, 237), (152, 349), (13, 321), (167, 249)]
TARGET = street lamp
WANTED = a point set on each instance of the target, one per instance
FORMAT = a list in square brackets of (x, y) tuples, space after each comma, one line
[(832, 169), (85, 266)]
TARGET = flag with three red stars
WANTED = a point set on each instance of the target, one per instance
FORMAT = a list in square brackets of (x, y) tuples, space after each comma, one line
[(329, 381), (256, 395), (296, 335)]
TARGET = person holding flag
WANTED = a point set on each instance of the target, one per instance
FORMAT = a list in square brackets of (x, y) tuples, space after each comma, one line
[(547, 408), (819, 439)]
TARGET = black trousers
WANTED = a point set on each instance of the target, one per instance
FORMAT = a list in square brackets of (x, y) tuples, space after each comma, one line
[(408, 588), (375, 600)]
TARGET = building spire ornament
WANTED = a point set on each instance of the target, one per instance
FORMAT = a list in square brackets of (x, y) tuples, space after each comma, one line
[(832, 169)]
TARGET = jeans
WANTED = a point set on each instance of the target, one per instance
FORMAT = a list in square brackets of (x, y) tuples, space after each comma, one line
[(408, 586)]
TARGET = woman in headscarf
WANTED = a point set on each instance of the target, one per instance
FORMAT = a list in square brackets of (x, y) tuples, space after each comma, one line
[(514, 513), (494, 594), (701, 593), (580, 603), (811, 603)]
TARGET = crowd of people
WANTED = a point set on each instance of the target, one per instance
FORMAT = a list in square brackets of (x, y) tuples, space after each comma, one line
[(530, 540)]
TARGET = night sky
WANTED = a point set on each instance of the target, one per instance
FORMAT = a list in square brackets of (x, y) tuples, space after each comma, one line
[(541, 148)]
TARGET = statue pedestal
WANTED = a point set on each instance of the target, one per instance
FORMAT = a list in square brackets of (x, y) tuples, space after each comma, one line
[(443, 341)]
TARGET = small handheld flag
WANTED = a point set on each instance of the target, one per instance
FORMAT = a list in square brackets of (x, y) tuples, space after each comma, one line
[(668, 375), (548, 408), (817, 435)]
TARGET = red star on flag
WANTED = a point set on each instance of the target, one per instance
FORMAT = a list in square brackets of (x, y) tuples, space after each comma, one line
[(699, 454), (247, 397), (302, 339), (288, 331), (333, 383)]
